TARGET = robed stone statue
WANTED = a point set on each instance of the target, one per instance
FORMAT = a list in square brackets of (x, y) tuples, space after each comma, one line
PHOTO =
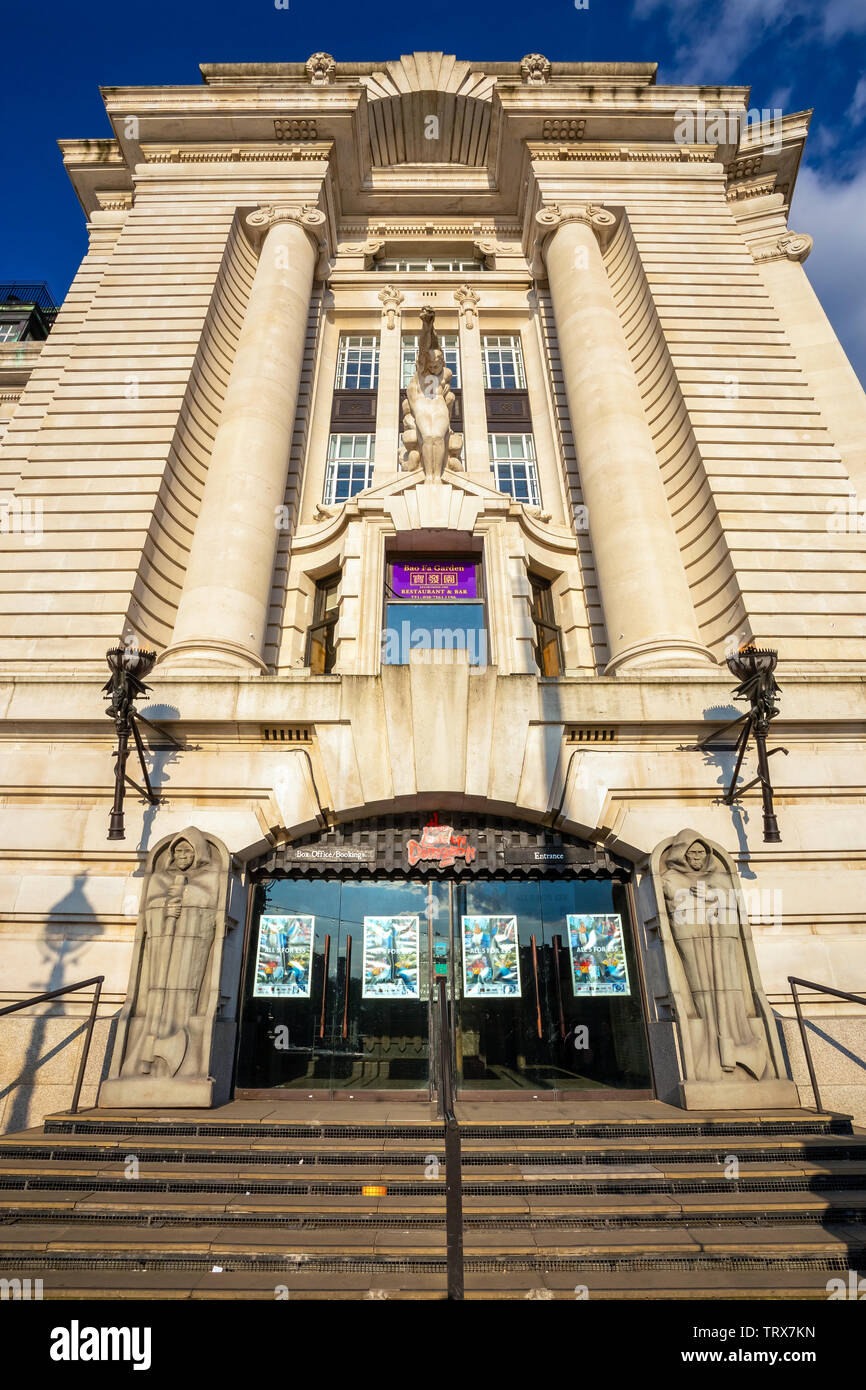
[(729, 1043), (163, 1051)]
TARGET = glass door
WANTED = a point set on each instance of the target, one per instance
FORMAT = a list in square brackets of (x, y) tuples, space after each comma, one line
[(547, 986), (336, 988)]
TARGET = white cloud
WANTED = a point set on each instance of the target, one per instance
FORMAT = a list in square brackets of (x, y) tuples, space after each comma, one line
[(833, 211), (857, 109), (712, 39)]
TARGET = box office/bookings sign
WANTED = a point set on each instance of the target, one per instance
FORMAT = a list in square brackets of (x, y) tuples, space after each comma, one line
[(284, 961), (598, 964)]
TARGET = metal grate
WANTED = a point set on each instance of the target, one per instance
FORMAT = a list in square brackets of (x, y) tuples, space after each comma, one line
[(595, 734), (829, 1218), (287, 733), (687, 1130), (586, 1187), (424, 1264)]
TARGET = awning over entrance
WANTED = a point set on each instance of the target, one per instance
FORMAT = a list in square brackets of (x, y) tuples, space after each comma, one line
[(477, 845)]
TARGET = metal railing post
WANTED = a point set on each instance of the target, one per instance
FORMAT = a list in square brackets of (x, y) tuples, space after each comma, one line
[(98, 981), (453, 1160), (794, 981)]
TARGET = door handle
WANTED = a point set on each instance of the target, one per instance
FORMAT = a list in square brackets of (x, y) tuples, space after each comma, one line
[(537, 995), (346, 986), (324, 985), (557, 947)]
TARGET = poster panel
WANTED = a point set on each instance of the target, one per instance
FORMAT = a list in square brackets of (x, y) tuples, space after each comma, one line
[(490, 961), (597, 949), (391, 958), (284, 960)]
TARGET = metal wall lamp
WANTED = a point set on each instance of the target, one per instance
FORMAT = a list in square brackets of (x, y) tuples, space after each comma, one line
[(753, 668), (129, 666)]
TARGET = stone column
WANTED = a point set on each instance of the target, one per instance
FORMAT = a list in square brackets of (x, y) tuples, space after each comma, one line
[(648, 610), (222, 615), (388, 396), (819, 352), (476, 452)]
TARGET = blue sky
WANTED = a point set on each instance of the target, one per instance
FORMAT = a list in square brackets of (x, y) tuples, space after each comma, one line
[(795, 54)]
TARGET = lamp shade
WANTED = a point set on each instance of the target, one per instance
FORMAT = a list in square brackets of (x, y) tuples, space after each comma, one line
[(751, 661)]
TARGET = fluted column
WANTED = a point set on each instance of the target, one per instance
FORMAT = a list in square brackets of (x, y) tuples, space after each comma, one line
[(222, 615), (647, 606)]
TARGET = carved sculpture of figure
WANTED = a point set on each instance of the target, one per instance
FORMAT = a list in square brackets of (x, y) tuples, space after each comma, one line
[(180, 910), (727, 1023), (427, 408)]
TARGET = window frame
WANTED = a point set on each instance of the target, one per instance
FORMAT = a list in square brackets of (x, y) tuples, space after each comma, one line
[(500, 342), (359, 343), (545, 624), (334, 460), (324, 622), (527, 460)]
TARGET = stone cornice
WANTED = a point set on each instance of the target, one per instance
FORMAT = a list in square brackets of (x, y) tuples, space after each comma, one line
[(791, 246), (319, 150)]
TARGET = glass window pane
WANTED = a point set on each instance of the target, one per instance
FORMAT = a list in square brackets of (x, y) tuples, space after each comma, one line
[(434, 627)]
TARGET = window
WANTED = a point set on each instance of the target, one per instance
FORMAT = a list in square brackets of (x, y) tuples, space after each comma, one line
[(321, 650), (450, 344), (350, 465), (503, 362), (434, 604), (358, 362), (512, 458), (429, 265), (548, 643), (10, 332)]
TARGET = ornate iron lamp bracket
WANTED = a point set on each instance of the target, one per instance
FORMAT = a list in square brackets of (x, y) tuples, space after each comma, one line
[(129, 665)]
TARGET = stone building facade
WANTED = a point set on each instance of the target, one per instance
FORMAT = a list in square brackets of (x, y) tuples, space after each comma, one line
[(656, 451)]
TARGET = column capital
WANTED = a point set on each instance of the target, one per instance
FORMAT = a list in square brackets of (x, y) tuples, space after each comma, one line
[(791, 246), (307, 216), (552, 216), (468, 300)]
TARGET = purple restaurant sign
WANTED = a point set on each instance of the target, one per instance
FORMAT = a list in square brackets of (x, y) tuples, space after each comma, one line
[(432, 581)]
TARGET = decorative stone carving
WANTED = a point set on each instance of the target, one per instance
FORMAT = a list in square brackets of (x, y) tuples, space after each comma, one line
[(792, 246), (427, 435), (487, 250), (370, 249), (320, 68), (391, 300), (729, 1044), (552, 216), (311, 218), (171, 1048), (535, 69), (468, 300)]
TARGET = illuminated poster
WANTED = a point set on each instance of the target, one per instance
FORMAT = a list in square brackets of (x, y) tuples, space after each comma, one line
[(490, 963), (597, 954), (284, 963), (391, 958), (433, 581)]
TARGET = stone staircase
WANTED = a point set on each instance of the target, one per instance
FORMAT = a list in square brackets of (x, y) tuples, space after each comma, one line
[(558, 1206)]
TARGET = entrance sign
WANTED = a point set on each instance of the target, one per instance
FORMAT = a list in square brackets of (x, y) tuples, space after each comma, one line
[(597, 949), (490, 962), (285, 957), (391, 958), (433, 581), (440, 844)]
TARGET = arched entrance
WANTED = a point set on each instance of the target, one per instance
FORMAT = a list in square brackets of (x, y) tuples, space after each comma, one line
[(348, 930)]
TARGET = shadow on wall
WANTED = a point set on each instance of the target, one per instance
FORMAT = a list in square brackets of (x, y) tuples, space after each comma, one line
[(60, 956), (723, 758)]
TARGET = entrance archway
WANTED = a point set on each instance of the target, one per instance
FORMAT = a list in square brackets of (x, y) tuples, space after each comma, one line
[(535, 927)]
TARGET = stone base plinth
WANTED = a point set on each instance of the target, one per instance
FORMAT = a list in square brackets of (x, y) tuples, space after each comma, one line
[(149, 1092), (739, 1095)]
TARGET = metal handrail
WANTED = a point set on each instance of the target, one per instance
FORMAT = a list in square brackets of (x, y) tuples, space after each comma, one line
[(96, 980), (794, 981), (453, 1162)]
